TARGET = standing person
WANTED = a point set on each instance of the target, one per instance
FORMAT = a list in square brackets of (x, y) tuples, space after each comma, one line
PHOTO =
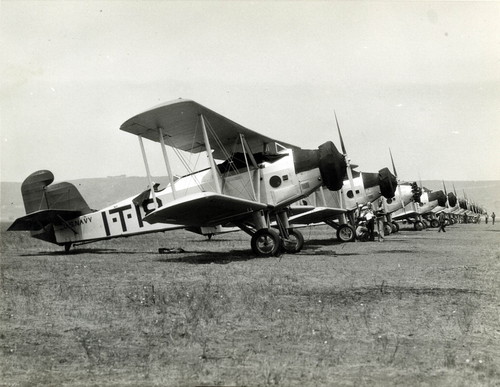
[(486, 218), (442, 222), (493, 218), (380, 218), (370, 220)]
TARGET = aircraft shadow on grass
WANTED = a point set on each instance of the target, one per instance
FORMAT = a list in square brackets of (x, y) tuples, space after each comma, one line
[(81, 251), (207, 257), (223, 258)]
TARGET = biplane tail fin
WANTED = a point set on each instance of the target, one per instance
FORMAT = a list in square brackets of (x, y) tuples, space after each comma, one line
[(46, 203)]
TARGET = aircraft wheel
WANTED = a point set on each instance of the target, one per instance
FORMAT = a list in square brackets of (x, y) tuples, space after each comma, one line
[(294, 243), (265, 242), (434, 223), (387, 228), (418, 226), (395, 227), (345, 233)]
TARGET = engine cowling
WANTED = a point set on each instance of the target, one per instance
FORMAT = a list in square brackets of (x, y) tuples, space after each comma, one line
[(452, 199), (328, 159), (439, 196), (387, 182), (332, 166)]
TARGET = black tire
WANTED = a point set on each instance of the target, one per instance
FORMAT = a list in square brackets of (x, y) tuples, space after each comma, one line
[(418, 226), (346, 233), (395, 227), (387, 228), (434, 223), (265, 242), (294, 243)]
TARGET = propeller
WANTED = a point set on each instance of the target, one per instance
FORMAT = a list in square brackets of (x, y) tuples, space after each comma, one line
[(446, 194), (344, 151), (399, 186)]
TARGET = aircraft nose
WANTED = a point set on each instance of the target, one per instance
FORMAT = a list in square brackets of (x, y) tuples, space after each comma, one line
[(439, 196), (452, 199), (332, 166), (387, 182), (328, 159)]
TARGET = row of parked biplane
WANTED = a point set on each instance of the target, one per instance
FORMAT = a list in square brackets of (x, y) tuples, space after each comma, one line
[(267, 188)]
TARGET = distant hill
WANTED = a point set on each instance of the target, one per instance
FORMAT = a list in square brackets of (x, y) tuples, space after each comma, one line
[(102, 192)]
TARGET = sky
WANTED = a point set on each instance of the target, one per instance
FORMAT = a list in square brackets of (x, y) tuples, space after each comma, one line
[(420, 78)]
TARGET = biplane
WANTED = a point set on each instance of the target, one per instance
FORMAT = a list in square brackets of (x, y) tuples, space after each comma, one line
[(405, 194), (338, 208), (416, 212), (250, 181)]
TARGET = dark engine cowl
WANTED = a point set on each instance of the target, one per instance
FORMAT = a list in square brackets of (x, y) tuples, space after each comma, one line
[(452, 199), (328, 159), (332, 166), (387, 182), (439, 196)]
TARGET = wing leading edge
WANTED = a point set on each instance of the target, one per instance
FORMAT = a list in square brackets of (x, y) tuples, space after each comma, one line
[(316, 215), (204, 209)]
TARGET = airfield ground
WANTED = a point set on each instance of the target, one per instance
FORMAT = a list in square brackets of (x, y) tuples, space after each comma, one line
[(421, 308)]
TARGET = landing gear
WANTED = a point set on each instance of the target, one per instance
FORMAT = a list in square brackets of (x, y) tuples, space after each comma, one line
[(294, 243), (434, 223), (387, 228), (418, 226), (345, 233), (265, 242), (395, 227)]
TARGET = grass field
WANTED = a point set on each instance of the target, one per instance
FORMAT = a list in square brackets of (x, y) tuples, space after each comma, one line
[(422, 308)]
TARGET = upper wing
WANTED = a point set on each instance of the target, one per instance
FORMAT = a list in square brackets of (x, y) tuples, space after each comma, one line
[(204, 209), (180, 124), (316, 215), (39, 219)]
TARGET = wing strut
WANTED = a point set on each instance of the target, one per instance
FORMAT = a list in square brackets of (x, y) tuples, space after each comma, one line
[(167, 163), (148, 172), (208, 148), (246, 150)]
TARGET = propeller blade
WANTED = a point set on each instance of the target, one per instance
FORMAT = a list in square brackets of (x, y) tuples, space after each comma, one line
[(393, 166), (340, 134)]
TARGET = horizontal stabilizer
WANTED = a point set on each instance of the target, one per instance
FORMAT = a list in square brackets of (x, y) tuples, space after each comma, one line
[(317, 215), (39, 219), (204, 209)]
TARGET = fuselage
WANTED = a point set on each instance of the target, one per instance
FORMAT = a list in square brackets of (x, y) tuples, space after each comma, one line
[(274, 183)]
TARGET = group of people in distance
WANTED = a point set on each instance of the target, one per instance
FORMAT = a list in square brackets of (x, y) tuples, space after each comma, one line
[(486, 217), (368, 219)]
